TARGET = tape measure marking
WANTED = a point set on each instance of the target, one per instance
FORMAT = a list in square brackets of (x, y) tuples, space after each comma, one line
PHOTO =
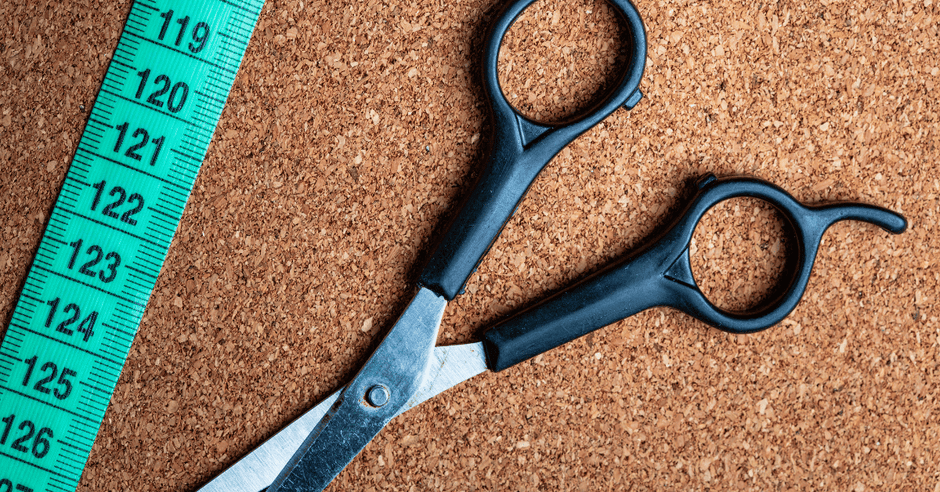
[(108, 235)]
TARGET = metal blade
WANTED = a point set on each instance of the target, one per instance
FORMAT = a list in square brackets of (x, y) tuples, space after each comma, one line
[(256, 471), (385, 384), (449, 367)]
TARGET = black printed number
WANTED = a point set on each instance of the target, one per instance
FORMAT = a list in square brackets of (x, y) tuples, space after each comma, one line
[(176, 98), (143, 138), (86, 327), (200, 33), (107, 273), (120, 198), (40, 440), (62, 387), (7, 486)]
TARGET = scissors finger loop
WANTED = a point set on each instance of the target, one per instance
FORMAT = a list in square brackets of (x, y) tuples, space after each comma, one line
[(807, 224), (529, 132), (518, 151)]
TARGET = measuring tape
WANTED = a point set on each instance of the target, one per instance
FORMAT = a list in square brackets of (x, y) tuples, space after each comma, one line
[(110, 230)]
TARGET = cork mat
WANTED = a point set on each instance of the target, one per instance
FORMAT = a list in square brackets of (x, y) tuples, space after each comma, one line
[(355, 127)]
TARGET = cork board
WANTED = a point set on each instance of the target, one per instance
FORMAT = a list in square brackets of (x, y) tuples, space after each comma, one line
[(354, 128)]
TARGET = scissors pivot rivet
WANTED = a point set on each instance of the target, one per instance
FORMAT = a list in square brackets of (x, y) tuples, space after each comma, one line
[(377, 395)]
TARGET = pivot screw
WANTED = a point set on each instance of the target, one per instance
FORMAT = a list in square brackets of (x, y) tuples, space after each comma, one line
[(378, 395)]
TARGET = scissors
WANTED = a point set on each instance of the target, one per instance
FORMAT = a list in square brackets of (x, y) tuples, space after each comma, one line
[(407, 368)]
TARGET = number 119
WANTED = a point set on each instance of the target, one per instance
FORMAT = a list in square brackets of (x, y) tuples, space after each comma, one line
[(200, 33)]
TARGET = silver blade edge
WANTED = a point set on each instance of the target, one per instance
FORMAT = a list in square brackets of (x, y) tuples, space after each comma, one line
[(385, 383), (450, 366)]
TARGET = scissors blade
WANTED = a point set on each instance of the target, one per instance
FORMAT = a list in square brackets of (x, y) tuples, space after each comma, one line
[(256, 471), (387, 381), (450, 366)]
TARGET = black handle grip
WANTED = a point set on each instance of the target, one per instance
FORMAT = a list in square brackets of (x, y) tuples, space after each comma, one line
[(661, 275), (519, 149)]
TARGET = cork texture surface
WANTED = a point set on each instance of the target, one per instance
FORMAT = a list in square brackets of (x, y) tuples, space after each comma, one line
[(353, 130)]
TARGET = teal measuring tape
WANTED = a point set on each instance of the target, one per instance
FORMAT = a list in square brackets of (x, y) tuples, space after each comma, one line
[(110, 230)]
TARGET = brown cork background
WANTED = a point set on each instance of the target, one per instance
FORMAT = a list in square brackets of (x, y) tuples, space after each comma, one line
[(354, 128)]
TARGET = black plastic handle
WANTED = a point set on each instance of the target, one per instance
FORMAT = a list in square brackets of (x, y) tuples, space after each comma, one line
[(519, 149), (661, 275)]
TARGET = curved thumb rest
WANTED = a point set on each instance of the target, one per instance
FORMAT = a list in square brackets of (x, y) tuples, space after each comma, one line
[(660, 275), (883, 218)]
